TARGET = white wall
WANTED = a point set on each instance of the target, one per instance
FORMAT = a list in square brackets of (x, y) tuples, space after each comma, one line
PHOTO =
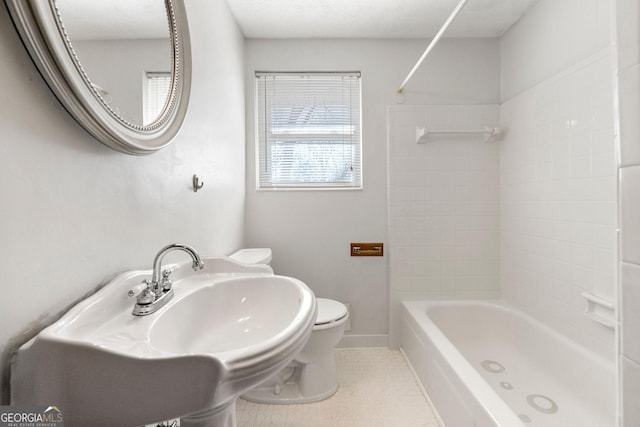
[(628, 44), (551, 37), (74, 213), (558, 167), (310, 231), (119, 67)]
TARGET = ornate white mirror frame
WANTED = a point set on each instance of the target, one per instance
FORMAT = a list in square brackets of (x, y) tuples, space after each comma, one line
[(44, 35)]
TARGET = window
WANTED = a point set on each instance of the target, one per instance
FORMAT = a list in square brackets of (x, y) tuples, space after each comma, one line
[(155, 92), (308, 130)]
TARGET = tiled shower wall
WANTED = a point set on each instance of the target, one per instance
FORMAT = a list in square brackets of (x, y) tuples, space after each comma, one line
[(559, 200), (628, 35), (531, 219), (443, 206)]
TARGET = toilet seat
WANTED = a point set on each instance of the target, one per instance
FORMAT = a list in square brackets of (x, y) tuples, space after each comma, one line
[(330, 313)]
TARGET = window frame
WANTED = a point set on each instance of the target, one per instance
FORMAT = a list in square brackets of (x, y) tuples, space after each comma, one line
[(263, 144)]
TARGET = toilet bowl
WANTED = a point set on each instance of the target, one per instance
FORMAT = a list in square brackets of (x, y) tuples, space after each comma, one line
[(312, 375)]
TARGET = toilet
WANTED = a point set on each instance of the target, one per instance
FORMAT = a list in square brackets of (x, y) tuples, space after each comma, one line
[(312, 375)]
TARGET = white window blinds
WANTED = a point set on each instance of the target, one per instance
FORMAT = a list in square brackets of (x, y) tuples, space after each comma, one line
[(155, 93), (308, 130)]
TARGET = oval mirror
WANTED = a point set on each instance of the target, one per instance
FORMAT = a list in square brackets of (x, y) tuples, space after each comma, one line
[(121, 68)]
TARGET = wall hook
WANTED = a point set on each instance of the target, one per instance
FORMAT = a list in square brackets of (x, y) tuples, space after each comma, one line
[(196, 183)]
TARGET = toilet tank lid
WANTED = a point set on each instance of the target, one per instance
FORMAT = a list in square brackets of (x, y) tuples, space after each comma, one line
[(330, 311), (252, 255)]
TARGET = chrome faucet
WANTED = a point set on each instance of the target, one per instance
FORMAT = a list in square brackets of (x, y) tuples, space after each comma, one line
[(153, 294)]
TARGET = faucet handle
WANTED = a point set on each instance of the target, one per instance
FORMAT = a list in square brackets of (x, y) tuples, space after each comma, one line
[(138, 289), (143, 292)]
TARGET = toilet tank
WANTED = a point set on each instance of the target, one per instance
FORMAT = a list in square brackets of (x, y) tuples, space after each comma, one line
[(252, 256)]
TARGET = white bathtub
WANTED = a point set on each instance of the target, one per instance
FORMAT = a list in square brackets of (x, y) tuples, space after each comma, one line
[(485, 363)]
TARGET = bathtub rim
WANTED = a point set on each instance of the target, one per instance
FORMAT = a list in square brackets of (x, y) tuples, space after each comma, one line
[(416, 314), (511, 309), (491, 403)]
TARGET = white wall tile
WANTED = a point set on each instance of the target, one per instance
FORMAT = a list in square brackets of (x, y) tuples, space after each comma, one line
[(630, 214), (628, 54), (629, 94), (630, 316), (605, 213), (445, 196), (602, 141), (559, 198), (630, 393), (627, 18)]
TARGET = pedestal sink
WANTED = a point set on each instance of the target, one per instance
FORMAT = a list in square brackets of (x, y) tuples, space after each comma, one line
[(229, 327)]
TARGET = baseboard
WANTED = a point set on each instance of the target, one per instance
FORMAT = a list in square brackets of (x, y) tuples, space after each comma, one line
[(364, 341)]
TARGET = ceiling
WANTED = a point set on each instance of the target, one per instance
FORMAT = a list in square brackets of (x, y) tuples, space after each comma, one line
[(86, 19), (374, 18)]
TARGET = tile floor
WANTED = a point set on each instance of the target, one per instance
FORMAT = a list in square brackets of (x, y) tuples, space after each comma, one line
[(377, 389)]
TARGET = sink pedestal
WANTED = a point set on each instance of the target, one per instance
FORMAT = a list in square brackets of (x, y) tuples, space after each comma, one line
[(223, 416)]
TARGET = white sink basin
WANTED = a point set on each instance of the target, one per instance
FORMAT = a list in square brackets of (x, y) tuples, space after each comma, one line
[(228, 317), (229, 327)]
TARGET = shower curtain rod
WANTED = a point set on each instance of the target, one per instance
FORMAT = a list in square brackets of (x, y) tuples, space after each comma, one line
[(433, 42)]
